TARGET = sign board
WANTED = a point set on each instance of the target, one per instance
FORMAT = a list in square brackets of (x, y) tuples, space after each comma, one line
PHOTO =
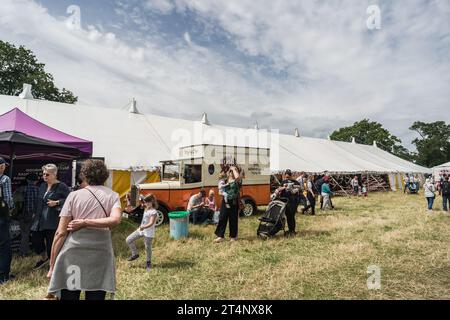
[(22, 168)]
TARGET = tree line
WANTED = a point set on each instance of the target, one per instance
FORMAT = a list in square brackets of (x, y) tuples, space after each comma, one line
[(432, 144)]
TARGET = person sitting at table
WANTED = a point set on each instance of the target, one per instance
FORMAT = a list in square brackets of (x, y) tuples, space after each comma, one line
[(197, 207)]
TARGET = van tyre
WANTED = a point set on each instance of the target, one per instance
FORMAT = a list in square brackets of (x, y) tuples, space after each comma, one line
[(162, 216), (249, 208)]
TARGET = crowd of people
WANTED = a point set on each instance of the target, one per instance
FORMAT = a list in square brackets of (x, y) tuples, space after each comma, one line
[(36, 205), (412, 183), (440, 187), (51, 213)]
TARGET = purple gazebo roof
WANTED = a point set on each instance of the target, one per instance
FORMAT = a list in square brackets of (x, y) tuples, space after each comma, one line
[(16, 120)]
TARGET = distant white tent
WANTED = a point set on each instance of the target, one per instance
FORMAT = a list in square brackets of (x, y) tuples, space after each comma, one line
[(133, 141), (441, 169)]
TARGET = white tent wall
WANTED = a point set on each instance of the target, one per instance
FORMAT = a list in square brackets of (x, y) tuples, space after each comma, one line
[(318, 155), (441, 170), (400, 181), (138, 177), (404, 166), (392, 179), (109, 182), (138, 142)]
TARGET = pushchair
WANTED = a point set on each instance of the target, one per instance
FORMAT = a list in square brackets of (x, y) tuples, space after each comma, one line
[(274, 219), (413, 188)]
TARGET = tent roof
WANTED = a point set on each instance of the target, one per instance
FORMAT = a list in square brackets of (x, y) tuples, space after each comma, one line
[(28, 147), (442, 165), (16, 120), (140, 141)]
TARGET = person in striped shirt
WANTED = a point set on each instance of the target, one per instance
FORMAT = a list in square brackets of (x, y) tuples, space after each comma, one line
[(5, 240)]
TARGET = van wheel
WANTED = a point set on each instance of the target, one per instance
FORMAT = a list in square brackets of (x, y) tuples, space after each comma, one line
[(161, 216), (249, 208)]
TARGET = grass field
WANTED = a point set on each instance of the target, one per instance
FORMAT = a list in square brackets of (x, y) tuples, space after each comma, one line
[(328, 260)]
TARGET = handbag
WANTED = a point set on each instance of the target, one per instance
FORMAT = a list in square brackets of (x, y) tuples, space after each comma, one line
[(428, 188)]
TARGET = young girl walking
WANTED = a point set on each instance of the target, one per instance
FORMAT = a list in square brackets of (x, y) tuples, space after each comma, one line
[(146, 230)]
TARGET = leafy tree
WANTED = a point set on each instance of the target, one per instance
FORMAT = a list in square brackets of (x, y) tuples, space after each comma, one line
[(433, 143), (19, 66), (366, 131)]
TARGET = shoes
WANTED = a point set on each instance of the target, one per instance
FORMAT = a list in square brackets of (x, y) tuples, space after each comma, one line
[(40, 264), (50, 296), (233, 239), (291, 233), (133, 257), (148, 265), (219, 240)]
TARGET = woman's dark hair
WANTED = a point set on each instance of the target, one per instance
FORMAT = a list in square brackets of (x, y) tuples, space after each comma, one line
[(95, 172)]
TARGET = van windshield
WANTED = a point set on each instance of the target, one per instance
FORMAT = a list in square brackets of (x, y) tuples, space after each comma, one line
[(171, 172)]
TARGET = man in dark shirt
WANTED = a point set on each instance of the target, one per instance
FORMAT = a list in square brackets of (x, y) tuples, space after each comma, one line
[(290, 190)]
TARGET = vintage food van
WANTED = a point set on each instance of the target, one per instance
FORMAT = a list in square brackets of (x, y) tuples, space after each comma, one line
[(198, 166)]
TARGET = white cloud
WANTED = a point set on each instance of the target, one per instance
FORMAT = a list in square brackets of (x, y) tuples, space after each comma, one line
[(163, 6), (187, 37), (102, 69), (401, 71)]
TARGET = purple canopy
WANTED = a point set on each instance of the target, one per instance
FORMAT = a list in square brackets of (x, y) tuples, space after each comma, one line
[(16, 120), (23, 146)]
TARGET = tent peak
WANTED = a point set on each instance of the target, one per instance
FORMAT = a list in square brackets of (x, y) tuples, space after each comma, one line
[(297, 133), (133, 107), (375, 143), (256, 127), (205, 119), (353, 140), (329, 137), (26, 92)]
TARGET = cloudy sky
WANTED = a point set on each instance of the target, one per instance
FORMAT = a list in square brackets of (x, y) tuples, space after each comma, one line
[(309, 64)]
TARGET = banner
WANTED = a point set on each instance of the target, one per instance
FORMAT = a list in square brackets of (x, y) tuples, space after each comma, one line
[(22, 168)]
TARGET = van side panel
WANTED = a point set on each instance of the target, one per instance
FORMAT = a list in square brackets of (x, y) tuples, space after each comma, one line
[(179, 198)]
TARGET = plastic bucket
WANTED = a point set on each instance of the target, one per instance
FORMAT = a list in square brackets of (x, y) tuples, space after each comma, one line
[(179, 224)]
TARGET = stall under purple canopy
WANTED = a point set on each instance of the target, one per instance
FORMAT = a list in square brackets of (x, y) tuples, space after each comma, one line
[(16, 120), (23, 146)]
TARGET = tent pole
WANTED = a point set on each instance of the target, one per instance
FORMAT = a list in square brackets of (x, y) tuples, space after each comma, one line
[(379, 183), (340, 186), (367, 183), (11, 162)]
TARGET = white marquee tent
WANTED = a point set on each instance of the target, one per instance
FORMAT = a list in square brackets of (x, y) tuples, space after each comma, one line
[(441, 169), (137, 142)]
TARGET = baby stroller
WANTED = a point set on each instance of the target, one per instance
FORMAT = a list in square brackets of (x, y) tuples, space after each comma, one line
[(413, 188), (273, 220)]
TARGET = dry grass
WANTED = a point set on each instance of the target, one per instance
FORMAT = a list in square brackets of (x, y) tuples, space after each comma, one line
[(328, 260)]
